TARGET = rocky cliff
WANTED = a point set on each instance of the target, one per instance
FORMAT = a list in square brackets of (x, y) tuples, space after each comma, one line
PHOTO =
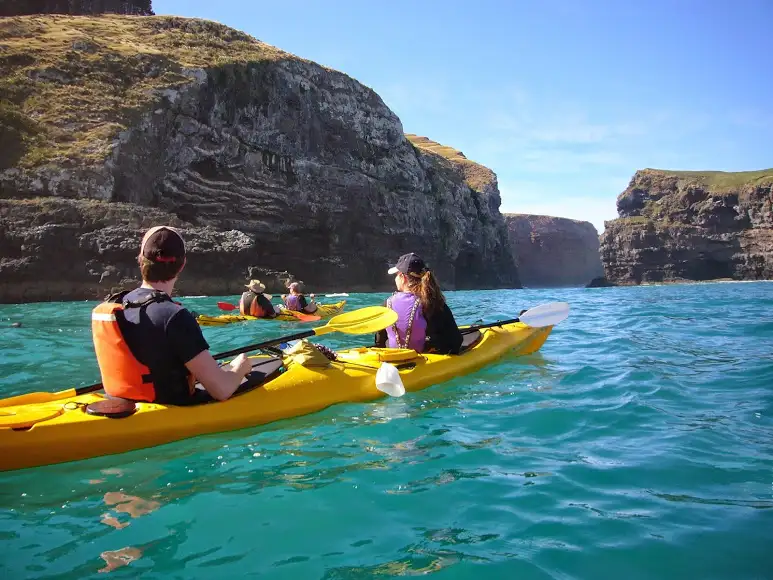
[(76, 7), (552, 251), (266, 161), (684, 225)]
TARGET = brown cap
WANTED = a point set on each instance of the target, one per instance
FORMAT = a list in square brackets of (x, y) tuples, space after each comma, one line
[(163, 244)]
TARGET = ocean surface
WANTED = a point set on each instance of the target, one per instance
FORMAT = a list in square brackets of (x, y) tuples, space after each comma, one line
[(638, 443)]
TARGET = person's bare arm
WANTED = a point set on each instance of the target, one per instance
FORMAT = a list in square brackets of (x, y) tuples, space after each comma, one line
[(220, 381)]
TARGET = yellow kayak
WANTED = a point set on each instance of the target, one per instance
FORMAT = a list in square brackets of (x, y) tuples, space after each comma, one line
[(61, 430), (323, 311)]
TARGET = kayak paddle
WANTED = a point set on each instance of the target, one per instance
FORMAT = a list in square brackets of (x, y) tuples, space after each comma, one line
[(302, 316), (366, 320), (540, 316)]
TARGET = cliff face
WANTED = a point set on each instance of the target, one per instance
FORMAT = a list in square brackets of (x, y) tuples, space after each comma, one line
[(484, 249), (691, 226), (265, 160), (553, 251)]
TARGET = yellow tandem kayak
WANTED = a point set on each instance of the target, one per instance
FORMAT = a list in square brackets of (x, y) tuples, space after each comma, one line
[(58, 431), (323, 311)]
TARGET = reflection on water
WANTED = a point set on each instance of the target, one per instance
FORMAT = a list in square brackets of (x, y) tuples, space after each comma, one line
[(128, 504), (118, 558)]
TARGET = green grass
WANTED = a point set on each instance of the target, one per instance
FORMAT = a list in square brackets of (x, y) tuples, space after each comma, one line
[(71, 84), (429, 145), (721, 180), (477, 176), (636, 219)]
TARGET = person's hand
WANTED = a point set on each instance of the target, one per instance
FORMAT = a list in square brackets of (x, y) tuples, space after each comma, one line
[(241, 365)]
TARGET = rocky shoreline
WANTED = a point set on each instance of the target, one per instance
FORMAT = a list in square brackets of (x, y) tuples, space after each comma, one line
[(276, 167), (269, 163), (681, 225)]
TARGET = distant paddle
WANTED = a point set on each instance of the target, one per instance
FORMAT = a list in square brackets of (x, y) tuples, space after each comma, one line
[(301, 316)]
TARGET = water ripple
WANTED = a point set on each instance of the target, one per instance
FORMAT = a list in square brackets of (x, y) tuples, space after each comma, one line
[(636, 444)]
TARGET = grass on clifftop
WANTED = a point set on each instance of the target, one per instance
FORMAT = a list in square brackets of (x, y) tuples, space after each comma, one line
[(721, 180), (69, 84), (541, 219), (477, 176)]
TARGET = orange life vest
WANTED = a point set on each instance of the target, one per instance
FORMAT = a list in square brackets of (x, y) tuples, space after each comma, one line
[(122, 374), (250, 306)]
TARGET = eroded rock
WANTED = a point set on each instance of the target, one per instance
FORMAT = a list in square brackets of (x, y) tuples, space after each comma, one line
[(265, 160), (552, 251), (677, 226)]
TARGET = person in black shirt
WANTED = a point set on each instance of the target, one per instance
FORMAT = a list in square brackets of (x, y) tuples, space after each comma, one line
[(425, 322), (154, 339)]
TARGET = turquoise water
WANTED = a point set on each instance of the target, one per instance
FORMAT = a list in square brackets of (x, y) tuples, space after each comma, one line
[(637, 444)]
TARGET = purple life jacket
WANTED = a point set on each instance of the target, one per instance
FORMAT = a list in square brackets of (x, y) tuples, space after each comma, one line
[(293, 302), (410, 330)]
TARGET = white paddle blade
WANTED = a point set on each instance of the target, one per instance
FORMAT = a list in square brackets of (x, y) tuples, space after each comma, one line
[(388, 380), (545, 314)]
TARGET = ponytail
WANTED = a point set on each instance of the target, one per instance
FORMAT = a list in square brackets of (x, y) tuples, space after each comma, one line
[(427, 289)]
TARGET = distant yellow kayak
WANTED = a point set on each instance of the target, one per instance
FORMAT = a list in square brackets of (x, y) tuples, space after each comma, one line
[(323, 311), (61, 430)]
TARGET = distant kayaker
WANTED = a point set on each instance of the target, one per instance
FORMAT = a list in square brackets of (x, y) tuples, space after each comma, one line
[(296, 300), (255, 302), (150, 348), (425, 322)]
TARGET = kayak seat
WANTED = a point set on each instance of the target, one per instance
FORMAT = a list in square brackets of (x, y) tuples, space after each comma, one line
[(469, 340)]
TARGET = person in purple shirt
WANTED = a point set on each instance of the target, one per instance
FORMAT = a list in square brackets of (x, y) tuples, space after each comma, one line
[(425, 323), (296, 300)]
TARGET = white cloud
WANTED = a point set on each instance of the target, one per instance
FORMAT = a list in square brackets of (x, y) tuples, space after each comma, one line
[(558, 124)]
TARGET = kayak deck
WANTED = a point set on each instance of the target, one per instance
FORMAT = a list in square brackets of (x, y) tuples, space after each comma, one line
[(323, 311), (60, 431)]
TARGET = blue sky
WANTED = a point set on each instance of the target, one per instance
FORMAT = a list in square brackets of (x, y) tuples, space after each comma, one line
[(563, 99)]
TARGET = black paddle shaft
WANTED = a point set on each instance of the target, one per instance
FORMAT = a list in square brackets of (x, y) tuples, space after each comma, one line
[(272, 342), (250, 347), (470, 329)]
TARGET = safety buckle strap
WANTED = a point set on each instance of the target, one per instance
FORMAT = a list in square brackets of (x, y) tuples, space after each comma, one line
[(155, 296)]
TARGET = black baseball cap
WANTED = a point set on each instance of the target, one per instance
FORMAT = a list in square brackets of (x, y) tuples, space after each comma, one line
[(408, 264), (163, 244)]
